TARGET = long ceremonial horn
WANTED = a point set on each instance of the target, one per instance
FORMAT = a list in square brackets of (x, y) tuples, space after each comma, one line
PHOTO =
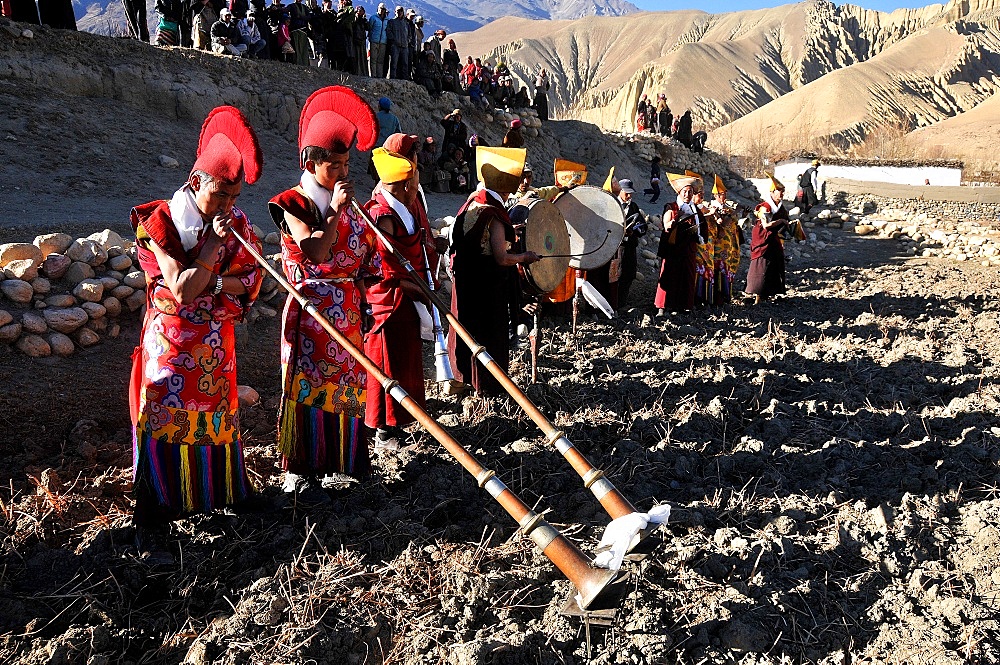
[(567, 557), (610, 498)]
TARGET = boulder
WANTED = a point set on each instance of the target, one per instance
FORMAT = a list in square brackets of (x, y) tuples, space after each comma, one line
[(864, 229), (53, 243), (17, 290), (135, 301), (41, 286), (87, 337), (109, 283), (107, 239), (168, 162), (77, 272), (87, 251), (25, 269), (94, 310), (114, 330), (98, 325), (89, 290), (61, 344), (34, 346), (65, 319), (9, 333), (122, 292), (5, 317), (136, 279), (19, 251), (60, 300), (272, 238), (56, 265), (33, 323), (112, 305), (120, 262), (248, 396)]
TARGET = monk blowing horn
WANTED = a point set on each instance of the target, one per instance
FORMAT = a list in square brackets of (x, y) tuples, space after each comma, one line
[(442, 364), (610, 498), (567, 557)]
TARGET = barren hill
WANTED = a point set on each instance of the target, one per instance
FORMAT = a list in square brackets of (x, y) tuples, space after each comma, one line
[(837, 62), (969, 134)]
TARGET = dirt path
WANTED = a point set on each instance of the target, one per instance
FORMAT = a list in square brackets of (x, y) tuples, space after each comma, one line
[(831, 459)]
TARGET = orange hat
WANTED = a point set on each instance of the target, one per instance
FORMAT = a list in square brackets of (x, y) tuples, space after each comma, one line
[(403, 144), (228, 147), (569, 174), (333, 117), (699, 185)]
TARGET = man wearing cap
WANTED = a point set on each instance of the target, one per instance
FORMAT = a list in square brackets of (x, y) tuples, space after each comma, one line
[(455, 133), (435, 42), (378, 48), (398, 40), (327, 251), (187, 447), (226, 36), (809, 184), (256, 46), (513, 138), (418, 38), (393, 342), (678, 248), (482, 264), (635, 228), (766, 276)]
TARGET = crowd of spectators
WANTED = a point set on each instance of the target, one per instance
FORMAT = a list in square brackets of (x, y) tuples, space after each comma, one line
[(656, 117), (342, 38)]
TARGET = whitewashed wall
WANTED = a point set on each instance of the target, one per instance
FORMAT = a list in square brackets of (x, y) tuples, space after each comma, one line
[(788, 172)]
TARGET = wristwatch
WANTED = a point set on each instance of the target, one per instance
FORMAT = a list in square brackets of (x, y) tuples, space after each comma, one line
[(218, 285)]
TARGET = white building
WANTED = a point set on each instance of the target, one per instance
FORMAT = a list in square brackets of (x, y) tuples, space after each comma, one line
[(939, 172)]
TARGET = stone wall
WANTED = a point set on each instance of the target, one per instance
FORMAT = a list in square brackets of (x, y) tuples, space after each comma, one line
[(59, 294)]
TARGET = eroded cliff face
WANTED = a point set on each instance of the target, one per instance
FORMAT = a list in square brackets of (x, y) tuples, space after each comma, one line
[(725, 67)]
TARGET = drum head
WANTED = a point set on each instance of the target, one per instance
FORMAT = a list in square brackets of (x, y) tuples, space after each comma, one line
[(545, 234), (596, 225)]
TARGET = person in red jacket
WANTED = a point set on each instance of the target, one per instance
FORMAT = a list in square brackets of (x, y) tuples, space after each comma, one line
[(766, 277)]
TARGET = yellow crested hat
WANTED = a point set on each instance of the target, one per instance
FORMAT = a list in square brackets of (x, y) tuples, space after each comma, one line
[(391, 166), (719, 187), (679, 182), (611, 184), (500, 169), (775, 183), (569, 174), (699, 186)]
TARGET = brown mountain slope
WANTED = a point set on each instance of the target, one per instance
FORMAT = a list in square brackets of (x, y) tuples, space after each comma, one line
[(925, 78), (969, 135), (722, 66)]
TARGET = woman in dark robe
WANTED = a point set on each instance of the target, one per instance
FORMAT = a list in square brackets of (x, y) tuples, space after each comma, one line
[(678, 249), (483, 265), (767, 252)]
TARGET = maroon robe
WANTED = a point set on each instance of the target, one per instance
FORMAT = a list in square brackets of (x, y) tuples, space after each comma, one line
[(675, 288), (394, 342), (480, 291), (766, 276)]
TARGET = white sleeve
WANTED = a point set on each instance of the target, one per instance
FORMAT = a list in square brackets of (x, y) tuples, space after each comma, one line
[(815, 180)]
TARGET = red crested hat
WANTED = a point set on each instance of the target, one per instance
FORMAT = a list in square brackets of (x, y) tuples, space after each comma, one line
[(228, 147), (333, 117)]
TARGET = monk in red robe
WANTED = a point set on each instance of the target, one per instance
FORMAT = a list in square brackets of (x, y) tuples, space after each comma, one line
[(394, 341), (187, 447), (327, 251)]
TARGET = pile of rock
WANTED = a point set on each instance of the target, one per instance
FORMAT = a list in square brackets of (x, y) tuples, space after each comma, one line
[(920, 234), (59, 293)]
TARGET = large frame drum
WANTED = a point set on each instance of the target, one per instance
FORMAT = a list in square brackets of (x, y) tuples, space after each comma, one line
[(595, 223), (545, 234)]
